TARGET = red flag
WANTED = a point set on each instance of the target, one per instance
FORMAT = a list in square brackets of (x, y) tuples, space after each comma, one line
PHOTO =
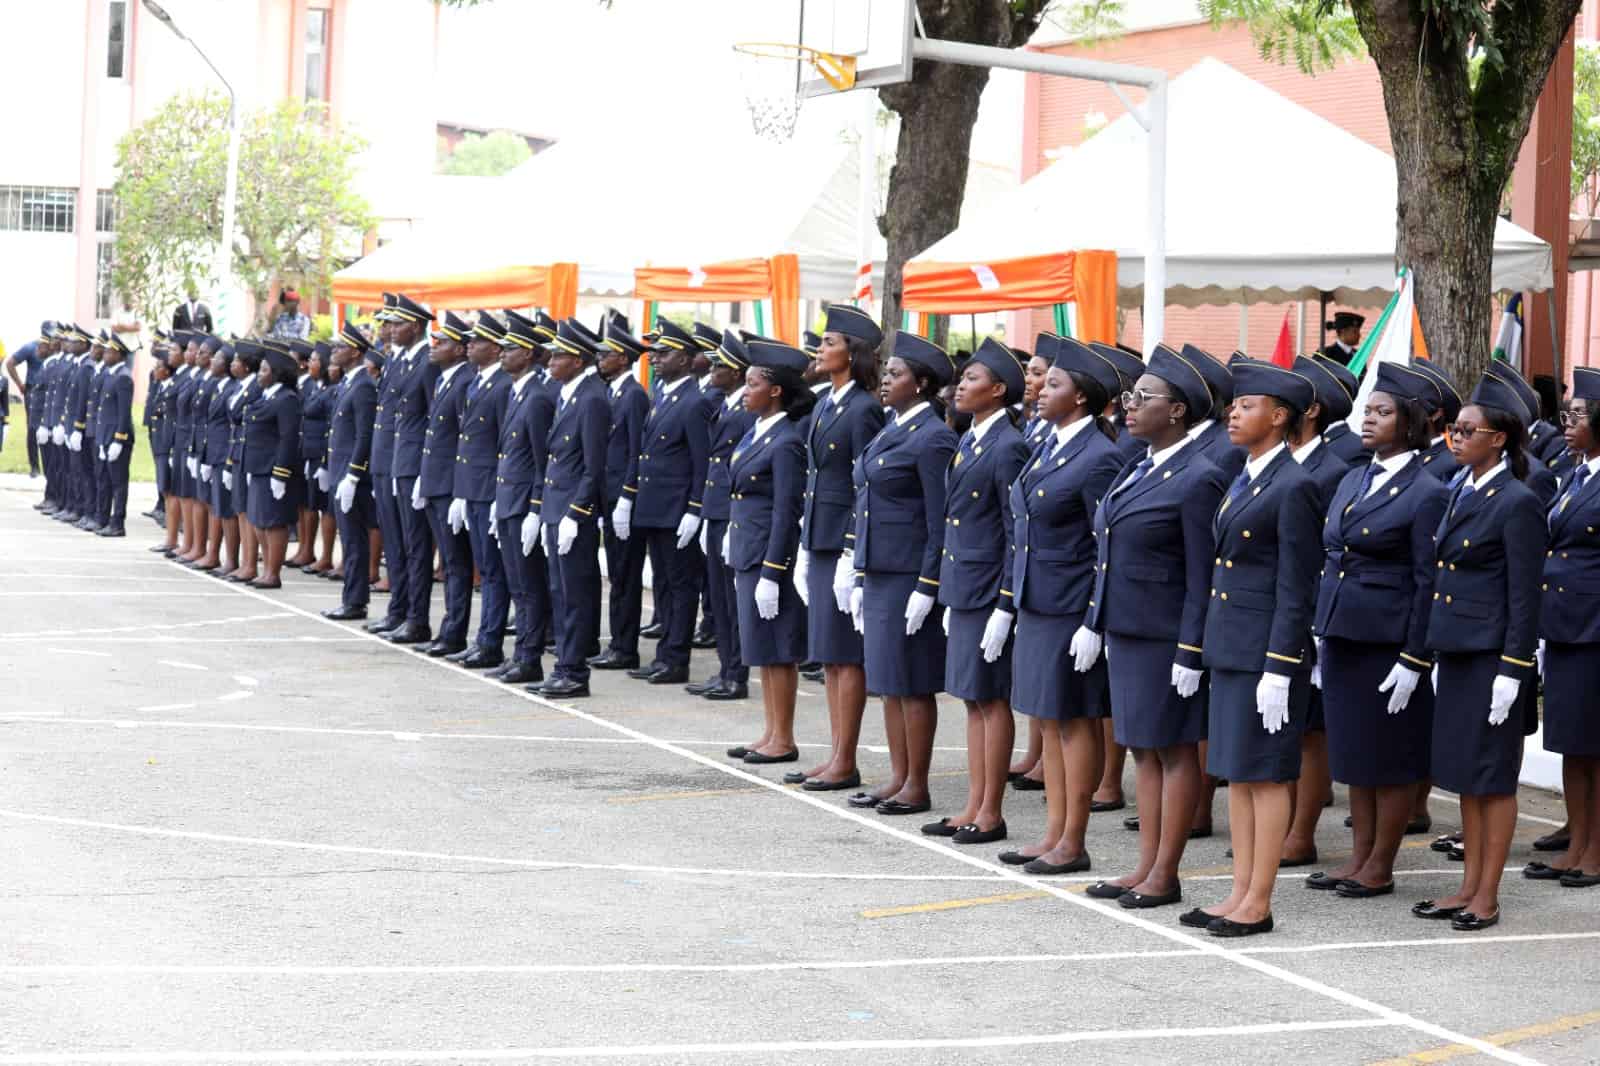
[(1283, 351)]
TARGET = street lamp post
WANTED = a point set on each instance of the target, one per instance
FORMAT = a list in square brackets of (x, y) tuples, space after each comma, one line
[(230, 188)]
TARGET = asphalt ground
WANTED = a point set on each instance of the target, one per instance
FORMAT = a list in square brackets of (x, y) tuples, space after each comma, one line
[(232, 831)]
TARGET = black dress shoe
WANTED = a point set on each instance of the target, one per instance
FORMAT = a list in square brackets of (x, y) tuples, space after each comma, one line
[(728, 690), (971, 834), (700, 688), (895, 807), (1467, 922), (1131, 824), (1196, 919), (1576, 879), (1105, 890), (815, 674), (383, 625), (1016, 858), (820, 784), (1027, 784), (1538, 871), (1559, 840), (941, 828), (564, 688), (795, 777), (1356, 890), (864, 800), (756, 758), (1101, 806), (1227, 927), (409, 633), (642, 673), (1422, 823), (519, 673), (266, 586), (458, 656), (1040, 868), (345, 614), (703, 638), (483, 659), (653, 631), (1307, 860), (1443, 844), (1428, 909), (1457, 853), (669, 675), (1322, 882), (1137, 901), (613, 660), (738, 751), (111, 531), (440, 648)]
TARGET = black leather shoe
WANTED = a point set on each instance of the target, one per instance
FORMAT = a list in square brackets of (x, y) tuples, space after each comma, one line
[(1420, 824), (1428, 909), (1027, 784), (1105, 890), (563, 688), (814, 674), (458, 656), (519, 673), (795, 777), (1138, 901), (1467, 922), (1308, 860), (1538, 871), (703, 638), (971, 834), (1227, 927), (669, 675), (345, 614), (642, 673), (1321, 882), (895, 807), (1040, 868), (111, 531), (1131, 824), (1576, 879), (653, 631), (439, 648), (1356, 890), (1196, 919), (738, 751), (384, 625), (409, 633), (700, 688), (728, 690), (483, 659), (941, 828), (819, 784), (613, 660), (1559, 840), (756, 758), (1016, 858)]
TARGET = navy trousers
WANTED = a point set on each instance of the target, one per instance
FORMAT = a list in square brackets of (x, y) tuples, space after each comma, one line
[(573, 577), (495, 594), (724, 614), (625, 570), (455, 550), (417, 530), (525, 578), (678, 592), (394, 548), (113, 492), (355, 544)]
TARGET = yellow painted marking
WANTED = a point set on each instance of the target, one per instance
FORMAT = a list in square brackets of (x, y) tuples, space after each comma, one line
[(700, 793), (954, 904), (1511, 1036)]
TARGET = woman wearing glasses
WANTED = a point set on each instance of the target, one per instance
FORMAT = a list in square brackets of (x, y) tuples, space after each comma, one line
[(1484, 629), (1151, 588), (1570, 627), (1027, 773), (1372, 623)]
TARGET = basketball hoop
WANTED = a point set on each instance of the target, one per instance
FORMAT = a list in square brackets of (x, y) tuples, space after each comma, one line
[(770, 74)]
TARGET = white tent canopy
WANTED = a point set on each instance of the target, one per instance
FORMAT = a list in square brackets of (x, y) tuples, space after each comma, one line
[(1266, 201)]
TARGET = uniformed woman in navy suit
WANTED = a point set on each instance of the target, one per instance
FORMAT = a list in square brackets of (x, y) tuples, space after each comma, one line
[(1151, 587), (1027, 773), (975, 585), (846, 417), (1372, 615), (765, 472), (899, 543), (1569, 626), (244, 369), (215, 458), (271, 447), (1484, 630), (1258, 628), (1058, 675)]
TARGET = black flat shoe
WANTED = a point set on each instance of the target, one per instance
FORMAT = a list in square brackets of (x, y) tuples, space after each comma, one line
[(1322, 882), (441, 649), (1357, 890), (266, 585), (1445, 843), (1579, 879), (1101, 806), (1040, 868), (1027, 784), (941, 828), (1138, 901), (864, 800), (1228, 928), (1200, 832), (1467, 922), (1428, 909), (1196, 919), (795, 777), (819, 784), (1457, 853), (971, 834), (1418, 825), (1349, 821), (1131, 824), (1559, 840), (739, 751), (755, 758), (1105, 890), (1289, 864), (1538, 871), (895, 807), (1016, 858)]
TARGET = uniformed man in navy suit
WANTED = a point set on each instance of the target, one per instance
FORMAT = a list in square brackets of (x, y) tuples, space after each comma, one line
[(447, 513), (114, 432), (483, 409), (413, 375), (630, 406), (349, 466), (386, 504)]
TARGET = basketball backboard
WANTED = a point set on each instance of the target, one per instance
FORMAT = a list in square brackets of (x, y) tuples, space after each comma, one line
[(877, 33)]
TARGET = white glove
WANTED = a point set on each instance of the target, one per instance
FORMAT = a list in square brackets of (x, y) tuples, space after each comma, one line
[(566, 534), (113, 450), (321, 478), (279, 487), (192, 465), (456, 515), (418, 501), (1272, 701), (944, 623), (688, 526), (844, 580), (1085, 649), (75, 442), (1403, 680), (494, 519), (205, 473), (995, 632), (42, 436), (1538, 655), (530, 532), (727, 544), (394, 483), (917, 608), (58, 436), (705, 538), (1503, 696), (621, 516), (1316, 676), (802, 567), (100, 453), (249, 480), (1186, 680), (767, 598), (345, 494), (227, 481), (855, 610)]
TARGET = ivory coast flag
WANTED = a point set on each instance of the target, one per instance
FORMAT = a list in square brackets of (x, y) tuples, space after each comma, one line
[(1393, 340), (1508, 343)]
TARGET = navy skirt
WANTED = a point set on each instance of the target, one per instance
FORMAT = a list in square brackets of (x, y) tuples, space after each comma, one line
[(1241, 749), (1043, 682), (1470, 756), (1571, 712), (1146, 711), (780, 641), (966, 675), (264, 511), (241, 494), (898, 665), (178, 482), (163, 475), (830, 635), (315, 499), (221, 499), (1367, 746)]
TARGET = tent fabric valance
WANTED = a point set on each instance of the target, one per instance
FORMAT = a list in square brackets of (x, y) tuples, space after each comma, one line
[(1086, 278), (553, 287)]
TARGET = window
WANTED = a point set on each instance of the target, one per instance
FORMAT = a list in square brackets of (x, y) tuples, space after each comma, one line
[(317, 54), (105, 211), (116, 37), (37, 208), (102, 279)]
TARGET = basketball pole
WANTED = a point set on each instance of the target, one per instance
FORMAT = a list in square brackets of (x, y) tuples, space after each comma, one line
[(1153, 119)]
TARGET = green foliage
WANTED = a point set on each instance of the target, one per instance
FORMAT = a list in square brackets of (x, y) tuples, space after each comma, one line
[(487, 156), (1585, 119), (1312, 34), (321, 328), (297, 216), (1086, 21)]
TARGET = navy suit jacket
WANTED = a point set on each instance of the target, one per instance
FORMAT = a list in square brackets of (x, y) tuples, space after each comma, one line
[(835, 438), (385, 414), (979, 528), (218, 432), (1438, 460), (91, 403), (727, 427), (1225, 455), (900, 499), (158, 409), (1155, 544), (114, 411), (524, 441), (1263, 582), (236, 420), (1489, 573), (1327, 470), (630, 406), (446, 400), (316, 413), (355, 407), (1346, 443), (1570, 611), (1054, 503), (413, 395), (483, 409), (575, 463), (51, 396), (1378, 571), (767, 474), (1542, 482), (272, 435), (672, 458)]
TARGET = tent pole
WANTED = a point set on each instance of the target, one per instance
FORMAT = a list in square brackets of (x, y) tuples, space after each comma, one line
[(1322, 320), (1300, 328), (1244, 324)]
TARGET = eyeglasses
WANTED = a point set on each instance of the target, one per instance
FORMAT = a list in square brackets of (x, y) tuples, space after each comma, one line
[(1570, 419), (1140, 397), (1461, 429)]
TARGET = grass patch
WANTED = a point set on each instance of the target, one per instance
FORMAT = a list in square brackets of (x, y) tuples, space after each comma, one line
[(14, 457)]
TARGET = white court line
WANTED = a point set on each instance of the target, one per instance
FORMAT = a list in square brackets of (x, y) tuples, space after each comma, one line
[(242, 694), (181, 665), (244, 679), (80, 651), (87, 560), (486, 860), (1176, 934), (58, 593), (153, 707), (54, 634), (187, 641), (810, 966), (95, 577), (771, 1047)]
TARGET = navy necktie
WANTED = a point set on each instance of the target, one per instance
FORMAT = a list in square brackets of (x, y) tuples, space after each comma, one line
[(1240, 483), (1145, 466), (1574, 487), (1366, 481), (1463, 490)]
